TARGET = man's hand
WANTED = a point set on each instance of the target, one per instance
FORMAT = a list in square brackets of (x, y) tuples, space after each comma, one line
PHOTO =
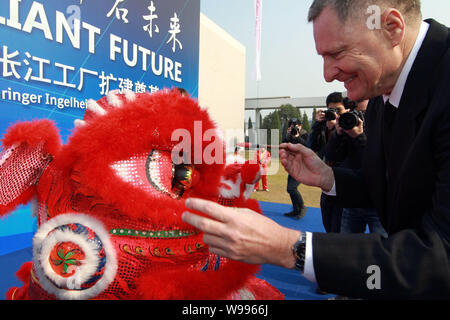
[(241, 234), (306, 167), (356, 131), (331, 124), (339, 129), (320, 116)]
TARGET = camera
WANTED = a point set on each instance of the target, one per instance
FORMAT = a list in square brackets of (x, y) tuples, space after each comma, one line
[(330, 115), (293, 125), (349, 120), (294, 131)]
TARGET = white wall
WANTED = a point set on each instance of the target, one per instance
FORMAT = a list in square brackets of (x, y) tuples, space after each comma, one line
[(222, 78)]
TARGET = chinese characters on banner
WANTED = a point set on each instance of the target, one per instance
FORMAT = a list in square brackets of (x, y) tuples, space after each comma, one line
[(22, 64), (11, 63), (150, 17)]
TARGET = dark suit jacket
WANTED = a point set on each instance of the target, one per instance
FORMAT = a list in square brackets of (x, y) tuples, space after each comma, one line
[(301, 139), (413, 201)]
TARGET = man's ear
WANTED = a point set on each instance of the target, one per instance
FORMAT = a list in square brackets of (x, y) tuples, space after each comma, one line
[(394, 26)]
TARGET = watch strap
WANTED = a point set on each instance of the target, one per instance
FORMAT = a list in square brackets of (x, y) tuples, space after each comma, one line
[(298, 250)]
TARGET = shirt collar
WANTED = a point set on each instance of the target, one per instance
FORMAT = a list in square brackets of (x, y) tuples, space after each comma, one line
[(396, 94)]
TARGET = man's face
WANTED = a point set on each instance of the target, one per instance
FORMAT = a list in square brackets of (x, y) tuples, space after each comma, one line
[(337, 107), (354, 55)]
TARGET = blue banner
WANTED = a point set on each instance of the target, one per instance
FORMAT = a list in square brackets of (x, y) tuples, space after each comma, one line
[(57, 54)]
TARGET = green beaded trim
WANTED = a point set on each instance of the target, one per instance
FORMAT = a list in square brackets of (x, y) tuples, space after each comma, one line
[(164, 234)]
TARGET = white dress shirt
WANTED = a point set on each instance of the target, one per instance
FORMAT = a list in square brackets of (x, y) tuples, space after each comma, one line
[(396, 94), (394, 98)]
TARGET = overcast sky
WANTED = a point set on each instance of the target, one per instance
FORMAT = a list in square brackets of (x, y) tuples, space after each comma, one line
[(290, 65)]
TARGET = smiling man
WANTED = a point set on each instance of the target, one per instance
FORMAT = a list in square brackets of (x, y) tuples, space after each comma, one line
[(367, 61), (403, 67)]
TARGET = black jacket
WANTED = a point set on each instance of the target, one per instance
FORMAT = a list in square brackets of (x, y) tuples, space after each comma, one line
[(319, 138), (346, 150), (413, 202), (302, 138)]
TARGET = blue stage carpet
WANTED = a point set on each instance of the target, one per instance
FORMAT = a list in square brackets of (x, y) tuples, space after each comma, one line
[(15, 250)]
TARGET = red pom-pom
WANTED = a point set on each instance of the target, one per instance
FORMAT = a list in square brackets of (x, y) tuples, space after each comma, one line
[(33, 133), (250, 172), (23, 274)]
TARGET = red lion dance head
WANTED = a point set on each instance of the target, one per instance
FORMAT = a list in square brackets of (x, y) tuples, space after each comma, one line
[(109, 203)]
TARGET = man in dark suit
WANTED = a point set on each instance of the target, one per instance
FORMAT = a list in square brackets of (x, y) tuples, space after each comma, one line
[(403, 65)]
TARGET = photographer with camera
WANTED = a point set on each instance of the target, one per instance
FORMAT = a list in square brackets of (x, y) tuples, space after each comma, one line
[(322, 131), (324, 124), (295, 135), (346, 146)]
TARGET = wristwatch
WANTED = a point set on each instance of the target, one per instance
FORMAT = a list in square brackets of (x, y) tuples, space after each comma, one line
[(298, 250)]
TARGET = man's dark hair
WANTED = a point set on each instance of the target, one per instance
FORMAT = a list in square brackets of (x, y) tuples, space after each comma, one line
[(334, 97), (294, 120), (346, 9), (349, 104)]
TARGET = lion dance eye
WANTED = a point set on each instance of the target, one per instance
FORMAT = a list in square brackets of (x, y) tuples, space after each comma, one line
[(184, 177), (157, 174)]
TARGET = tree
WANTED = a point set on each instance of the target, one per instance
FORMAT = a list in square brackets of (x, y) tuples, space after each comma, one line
[(305, 122), (314, 114), (272, 122), (250, 124)]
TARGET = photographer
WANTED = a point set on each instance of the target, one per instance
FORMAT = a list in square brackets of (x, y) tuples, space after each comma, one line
[(325, 123), (346, 143), (346, 146), (295, 135), (322, 130)]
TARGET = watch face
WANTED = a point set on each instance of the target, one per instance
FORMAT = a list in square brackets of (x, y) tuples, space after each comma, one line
[(299, 252)]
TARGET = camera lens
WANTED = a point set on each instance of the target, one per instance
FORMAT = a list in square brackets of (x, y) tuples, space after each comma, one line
[(294, 131), (330, 115), (348, 120)]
